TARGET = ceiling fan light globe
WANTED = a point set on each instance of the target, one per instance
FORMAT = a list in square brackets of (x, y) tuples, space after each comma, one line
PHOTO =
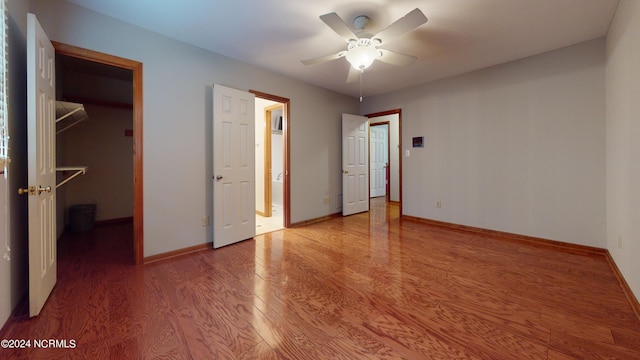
[(361, 57)]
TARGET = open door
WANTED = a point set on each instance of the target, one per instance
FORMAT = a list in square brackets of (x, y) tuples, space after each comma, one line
[(379, 159), (41, 152), (234, 201), (355, 164)]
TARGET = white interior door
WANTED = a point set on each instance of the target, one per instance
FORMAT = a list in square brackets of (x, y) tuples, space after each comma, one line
[(355, 164), (379, 159), (41, 149), (234, 201)]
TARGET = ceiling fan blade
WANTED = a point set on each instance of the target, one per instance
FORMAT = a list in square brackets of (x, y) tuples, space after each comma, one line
[(335, 22), (324, 58), (402, 26), (353, 75), (395, 58)]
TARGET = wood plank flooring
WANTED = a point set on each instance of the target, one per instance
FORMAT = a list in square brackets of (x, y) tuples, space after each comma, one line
[(368, 286)]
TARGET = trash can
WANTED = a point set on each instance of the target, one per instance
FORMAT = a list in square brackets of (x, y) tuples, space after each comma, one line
[(82, 217)]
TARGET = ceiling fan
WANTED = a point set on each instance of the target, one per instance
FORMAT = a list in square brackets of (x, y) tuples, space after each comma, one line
[(363, 49)]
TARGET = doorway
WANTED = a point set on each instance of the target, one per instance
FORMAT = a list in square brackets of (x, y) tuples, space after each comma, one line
[(272, 163), (379, 160), (394, 119), (118, 67)]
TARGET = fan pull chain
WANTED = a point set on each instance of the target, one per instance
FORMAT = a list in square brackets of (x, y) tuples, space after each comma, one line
[(361, 72)]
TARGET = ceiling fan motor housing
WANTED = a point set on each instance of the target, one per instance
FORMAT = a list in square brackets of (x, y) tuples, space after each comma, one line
[(360, 22)]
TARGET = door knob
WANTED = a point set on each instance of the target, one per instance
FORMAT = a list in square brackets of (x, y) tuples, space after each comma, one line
[(218, 177), (31, 190), (345, 171)]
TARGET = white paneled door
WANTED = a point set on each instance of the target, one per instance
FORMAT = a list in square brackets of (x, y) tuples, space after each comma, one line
[(41, 152), (379, 159), (234, 201), (355, 164)]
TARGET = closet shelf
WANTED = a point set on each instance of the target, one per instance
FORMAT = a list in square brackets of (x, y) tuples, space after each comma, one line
[(78, 170), (73, 113)]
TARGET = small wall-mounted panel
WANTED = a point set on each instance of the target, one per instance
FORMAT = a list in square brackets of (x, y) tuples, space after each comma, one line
[(418, 141)]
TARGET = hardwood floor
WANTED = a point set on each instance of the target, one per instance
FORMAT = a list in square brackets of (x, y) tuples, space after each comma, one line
[(365, 286)]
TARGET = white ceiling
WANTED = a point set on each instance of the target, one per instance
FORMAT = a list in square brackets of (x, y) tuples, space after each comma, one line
[(460, 36)]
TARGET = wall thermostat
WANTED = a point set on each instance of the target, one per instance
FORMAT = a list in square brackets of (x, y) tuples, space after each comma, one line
[(418, 141)]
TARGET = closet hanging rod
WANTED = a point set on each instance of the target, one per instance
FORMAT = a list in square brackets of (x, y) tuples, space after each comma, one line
[(81, 108), (75, 112), (79, 170), (68, 126)]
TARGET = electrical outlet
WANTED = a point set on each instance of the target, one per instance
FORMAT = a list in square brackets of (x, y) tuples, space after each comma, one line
[(326, 200), (439, 204), (205, 221)]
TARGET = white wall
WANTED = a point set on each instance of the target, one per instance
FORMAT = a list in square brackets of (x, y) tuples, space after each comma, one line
[(277, 160), (517, 147), (623, 146), (394, 151), (277, 144), (177, 80)]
